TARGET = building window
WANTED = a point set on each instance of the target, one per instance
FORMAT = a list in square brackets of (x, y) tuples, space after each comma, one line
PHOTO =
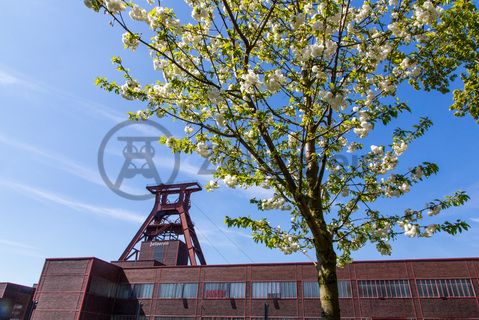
[(344, 289), (442, 288), (384, 289), (143, 290), (135, 291), (218, 290), (124, 291), (311, 289), (274, 289), (178, 290), (102, 287)]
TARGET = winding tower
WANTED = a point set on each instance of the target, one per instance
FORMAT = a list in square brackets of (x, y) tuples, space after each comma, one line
[(168, 235)]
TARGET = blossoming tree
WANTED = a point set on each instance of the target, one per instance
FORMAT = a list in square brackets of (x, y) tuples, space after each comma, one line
[(271, 92)]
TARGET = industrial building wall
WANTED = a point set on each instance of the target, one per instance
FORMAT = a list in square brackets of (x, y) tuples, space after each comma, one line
[(62, 288), (74, 289), (358, 305), (100, 296), (15, 301), (414, 289)]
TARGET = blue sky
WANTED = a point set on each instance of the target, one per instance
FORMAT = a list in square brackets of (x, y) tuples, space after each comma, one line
[(53, 202)]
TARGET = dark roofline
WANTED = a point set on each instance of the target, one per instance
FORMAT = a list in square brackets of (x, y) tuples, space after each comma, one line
[(73, 258), (16, 285)]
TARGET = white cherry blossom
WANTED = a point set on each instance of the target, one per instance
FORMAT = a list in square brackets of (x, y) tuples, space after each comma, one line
[(250, 82), (115, 6), (399, 148), (230, 181), (202, 149)]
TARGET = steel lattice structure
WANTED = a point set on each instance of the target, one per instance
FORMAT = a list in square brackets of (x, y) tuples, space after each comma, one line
[(169, 219)]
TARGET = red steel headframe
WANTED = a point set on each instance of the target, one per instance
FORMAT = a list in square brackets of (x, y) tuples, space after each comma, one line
[(157, 223)]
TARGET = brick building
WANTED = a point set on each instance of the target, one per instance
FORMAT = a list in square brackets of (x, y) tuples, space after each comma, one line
[(88, 288), (162, 275), (15, 301)]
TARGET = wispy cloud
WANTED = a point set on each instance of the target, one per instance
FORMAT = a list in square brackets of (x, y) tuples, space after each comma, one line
[(77, 103), (77, 205), (7, 79), (195, 171), (60, 162), (20, 248), (55, 159), (16, 244), (235, 233), (94, 109)]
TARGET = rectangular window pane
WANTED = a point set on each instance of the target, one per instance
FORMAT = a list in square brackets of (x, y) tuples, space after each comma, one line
[(219, 290), (124, 291), (190, 290), (383, 289), (311, 289), (274, 290), (168, 290), (143, 290), (288, 290), (441, 285), (216, 290), (362, 287), (441, 288), (344, 289), (102, 287), (237, 290), (178, 290)]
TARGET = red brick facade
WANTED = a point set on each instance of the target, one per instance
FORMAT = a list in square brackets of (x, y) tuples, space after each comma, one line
[(86, 288), (15, 301)]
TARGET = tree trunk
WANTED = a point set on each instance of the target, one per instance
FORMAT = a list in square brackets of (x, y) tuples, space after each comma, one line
[(326, 264), (328, 282)]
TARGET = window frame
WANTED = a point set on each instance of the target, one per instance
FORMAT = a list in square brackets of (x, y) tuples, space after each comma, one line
[(142, 284), (376, 289), (93, 288), (182, 290), (436, 285), (295, 282), (348, 282), (229, 290), (131, 290)]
